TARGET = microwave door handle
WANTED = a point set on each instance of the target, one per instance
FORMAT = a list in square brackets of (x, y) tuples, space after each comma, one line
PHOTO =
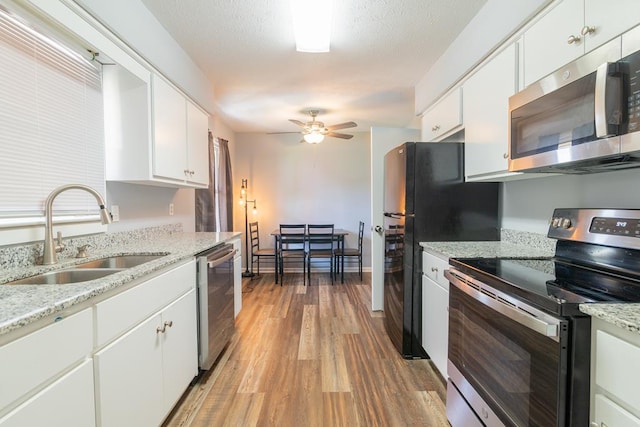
[(600, 102)]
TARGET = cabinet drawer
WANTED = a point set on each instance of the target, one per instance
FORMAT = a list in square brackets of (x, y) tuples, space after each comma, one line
[(33, 359), (434, 267), (67, 402), (617, 368), (609, 414), (123, 311)]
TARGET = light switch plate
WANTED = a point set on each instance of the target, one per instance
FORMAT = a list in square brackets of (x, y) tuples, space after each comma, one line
[(115, 213)]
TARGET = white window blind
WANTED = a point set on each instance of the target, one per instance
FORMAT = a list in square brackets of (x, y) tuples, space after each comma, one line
[(51, 121)]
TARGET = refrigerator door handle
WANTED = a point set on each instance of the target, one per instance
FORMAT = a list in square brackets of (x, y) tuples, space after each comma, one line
[(397, 215)]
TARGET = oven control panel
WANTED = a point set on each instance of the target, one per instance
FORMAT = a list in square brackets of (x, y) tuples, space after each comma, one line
[(609, 227), (616, 226)]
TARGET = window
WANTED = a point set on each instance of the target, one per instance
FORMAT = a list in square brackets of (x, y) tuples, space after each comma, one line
[(51, 122)]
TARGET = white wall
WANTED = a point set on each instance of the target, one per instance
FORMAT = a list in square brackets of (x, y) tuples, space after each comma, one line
[(528, 204), (299, 182), (494, 23)]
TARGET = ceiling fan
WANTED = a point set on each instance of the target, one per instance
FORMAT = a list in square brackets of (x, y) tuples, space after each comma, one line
[(314, 131)]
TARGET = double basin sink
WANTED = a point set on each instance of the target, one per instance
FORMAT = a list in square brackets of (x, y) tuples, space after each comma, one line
[(90, 270)]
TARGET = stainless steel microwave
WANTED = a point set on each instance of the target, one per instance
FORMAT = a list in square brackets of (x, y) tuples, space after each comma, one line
[(583, 118)]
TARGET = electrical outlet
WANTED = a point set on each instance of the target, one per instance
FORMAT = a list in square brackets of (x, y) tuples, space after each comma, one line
[(115, 213), (171, 209)]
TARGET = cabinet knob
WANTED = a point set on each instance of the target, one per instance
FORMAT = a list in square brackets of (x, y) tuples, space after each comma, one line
[(435, 128), (505, 155), (587, 30), (434, 269), (573, 39)]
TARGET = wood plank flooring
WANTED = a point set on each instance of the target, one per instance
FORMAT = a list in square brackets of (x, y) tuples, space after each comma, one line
[(312, 355)]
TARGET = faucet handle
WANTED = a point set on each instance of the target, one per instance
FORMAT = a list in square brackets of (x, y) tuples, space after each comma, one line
[(60, 246), (82, 251)]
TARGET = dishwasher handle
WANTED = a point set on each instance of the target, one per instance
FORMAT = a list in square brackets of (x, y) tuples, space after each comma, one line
[(212, 263)]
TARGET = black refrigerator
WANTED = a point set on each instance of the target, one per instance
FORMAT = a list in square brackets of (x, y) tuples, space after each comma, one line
[(426, 199)]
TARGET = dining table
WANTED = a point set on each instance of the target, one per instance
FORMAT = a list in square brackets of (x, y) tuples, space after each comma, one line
[(338, 234)]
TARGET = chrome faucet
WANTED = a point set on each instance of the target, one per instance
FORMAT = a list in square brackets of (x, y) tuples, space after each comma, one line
[(49, 255)]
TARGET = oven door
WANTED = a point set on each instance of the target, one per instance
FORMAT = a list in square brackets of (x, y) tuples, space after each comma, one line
[(508, 360)]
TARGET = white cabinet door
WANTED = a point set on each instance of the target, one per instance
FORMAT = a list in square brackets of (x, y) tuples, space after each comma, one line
[(486, 117), (179, 348), (608, 19), (129, 378), (546, 46), (444, 118), (169, 131), (609, 414), (435, 323), (67, 402), (197, 145)]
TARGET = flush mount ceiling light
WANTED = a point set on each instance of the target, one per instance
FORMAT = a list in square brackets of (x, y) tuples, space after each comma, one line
[(312, 24)]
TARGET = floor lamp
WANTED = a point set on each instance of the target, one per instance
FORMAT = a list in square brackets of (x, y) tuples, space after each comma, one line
[(245, 202)]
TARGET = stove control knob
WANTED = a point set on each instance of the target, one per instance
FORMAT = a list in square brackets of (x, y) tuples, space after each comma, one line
[(566, 223), (555, 222)]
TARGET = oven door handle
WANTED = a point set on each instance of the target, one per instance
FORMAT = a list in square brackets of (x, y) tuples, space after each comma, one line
[(212, 263), (497, 301)]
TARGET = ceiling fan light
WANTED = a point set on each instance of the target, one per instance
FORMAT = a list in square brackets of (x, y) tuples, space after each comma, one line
[(312, 25), (313, 137)]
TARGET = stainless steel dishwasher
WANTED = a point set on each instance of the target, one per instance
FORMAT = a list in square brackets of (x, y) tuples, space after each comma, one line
[(216, 322)]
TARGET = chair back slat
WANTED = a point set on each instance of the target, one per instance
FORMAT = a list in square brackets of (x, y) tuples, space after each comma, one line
[(321, 237), (292, 237)]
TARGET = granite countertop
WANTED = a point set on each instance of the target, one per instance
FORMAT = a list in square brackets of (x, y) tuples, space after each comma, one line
[(498, 249), (21, 305), (528, 245), (623, 315)]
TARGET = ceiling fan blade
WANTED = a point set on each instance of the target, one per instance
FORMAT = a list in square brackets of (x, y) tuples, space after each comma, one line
[(342, 126), (280, 133), (298, 122), (339, 135)]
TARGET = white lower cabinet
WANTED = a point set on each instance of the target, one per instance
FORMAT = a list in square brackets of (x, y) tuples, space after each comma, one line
[(237, 277), (141, 375), (615, 401), (67, 402), (36, 367), (435, 311)]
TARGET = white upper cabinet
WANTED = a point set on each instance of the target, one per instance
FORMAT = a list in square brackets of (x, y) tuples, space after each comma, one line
[(547, 44), (197, 145), (153, 133), (179, 136), (444, 118), (606, 19), (571, 29), (486, 117)]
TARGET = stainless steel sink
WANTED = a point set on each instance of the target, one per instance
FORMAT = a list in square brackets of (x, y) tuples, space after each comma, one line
[(119, 261), (62, 277)]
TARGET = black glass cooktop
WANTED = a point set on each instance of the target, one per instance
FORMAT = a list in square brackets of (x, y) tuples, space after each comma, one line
[(551, 284)]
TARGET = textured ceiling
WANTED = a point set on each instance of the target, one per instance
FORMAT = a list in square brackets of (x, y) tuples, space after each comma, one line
[(379, 50)]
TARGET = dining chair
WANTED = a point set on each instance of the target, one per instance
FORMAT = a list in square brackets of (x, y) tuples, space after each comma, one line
[(291, 247), (256, 251), (341, 253), (321, 239)]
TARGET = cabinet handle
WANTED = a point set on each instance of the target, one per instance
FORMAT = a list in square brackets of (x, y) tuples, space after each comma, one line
[(587, 30), (505, 156), (434, 269), (435, 128), (573, 39), (191, 173), (186, 171), (163, 329)]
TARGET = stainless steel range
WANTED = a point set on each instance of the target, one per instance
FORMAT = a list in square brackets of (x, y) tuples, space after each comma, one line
[(519, 348)]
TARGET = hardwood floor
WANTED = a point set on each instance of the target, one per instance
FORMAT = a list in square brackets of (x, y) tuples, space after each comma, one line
[(312, 356)]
